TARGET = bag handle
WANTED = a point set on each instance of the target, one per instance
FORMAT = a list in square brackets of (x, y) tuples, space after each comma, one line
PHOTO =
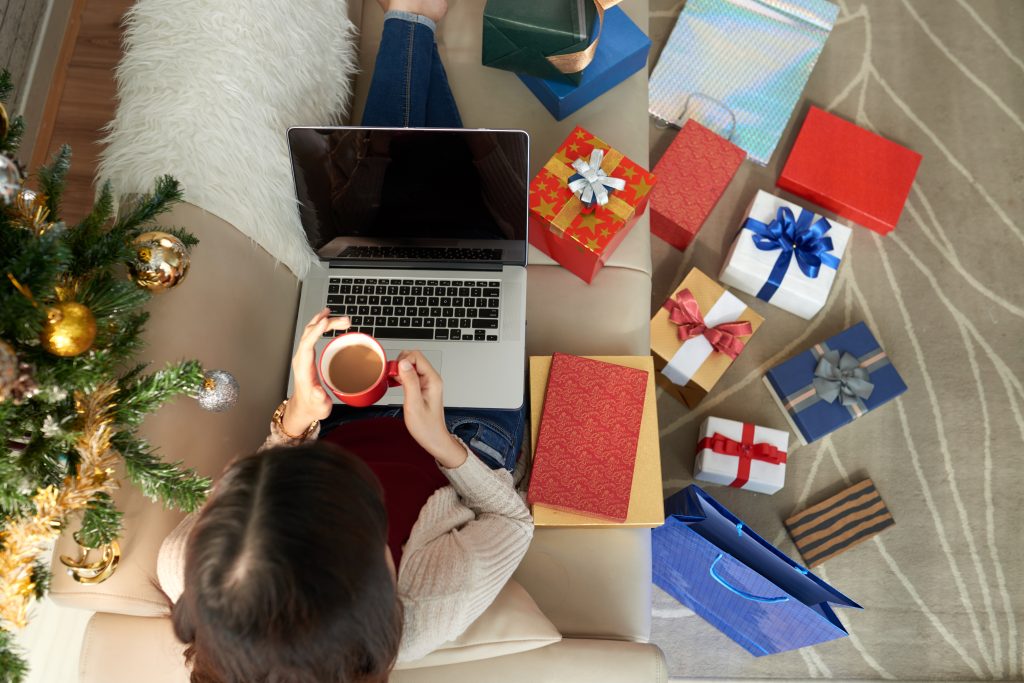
[(737, 591)]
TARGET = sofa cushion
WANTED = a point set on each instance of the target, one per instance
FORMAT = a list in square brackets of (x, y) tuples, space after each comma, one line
[(512, 623), (591, 583)]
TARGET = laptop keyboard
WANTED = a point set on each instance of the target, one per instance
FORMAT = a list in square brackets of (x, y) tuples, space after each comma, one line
[(422, 253), (411, 308)]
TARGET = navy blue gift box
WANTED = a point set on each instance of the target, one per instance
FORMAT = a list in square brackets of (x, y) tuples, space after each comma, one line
[(711, 562), (621, 52), (817, 405)]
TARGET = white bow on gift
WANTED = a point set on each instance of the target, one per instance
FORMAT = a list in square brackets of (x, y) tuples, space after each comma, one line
[(590, 183)]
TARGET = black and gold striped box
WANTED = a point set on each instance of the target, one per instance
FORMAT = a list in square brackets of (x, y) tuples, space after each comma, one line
[(839, 523)]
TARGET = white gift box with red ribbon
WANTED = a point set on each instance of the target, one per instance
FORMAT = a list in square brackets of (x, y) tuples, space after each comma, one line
[(741, 455)]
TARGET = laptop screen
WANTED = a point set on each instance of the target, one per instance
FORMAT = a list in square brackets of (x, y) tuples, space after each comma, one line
[(421, 194)]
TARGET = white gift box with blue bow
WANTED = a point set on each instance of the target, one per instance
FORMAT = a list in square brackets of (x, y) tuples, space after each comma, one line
[(786, 255)]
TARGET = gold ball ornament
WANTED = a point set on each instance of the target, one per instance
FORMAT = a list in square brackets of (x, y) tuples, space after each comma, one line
[(5, 121), (161, 261), (70, 329)]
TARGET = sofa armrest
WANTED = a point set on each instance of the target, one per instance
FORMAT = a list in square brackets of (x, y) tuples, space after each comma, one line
[(125, 649), (234, 311)]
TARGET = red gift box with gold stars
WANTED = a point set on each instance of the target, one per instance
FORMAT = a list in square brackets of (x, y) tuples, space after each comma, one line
[(580, 213)]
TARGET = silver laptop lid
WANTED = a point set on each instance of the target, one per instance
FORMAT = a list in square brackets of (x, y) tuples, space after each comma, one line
[(413, 196)]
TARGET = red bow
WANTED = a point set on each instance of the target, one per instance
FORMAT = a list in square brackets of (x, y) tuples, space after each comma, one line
[(746, 450), (725, 338)]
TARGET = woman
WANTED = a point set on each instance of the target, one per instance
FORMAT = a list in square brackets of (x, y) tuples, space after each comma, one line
[(331, 560)]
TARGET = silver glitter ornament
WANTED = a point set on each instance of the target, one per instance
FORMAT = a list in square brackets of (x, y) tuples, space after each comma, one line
[(10, 180), (219, 391)]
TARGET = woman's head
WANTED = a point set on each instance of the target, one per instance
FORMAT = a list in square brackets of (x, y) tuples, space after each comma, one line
[(286, 579)]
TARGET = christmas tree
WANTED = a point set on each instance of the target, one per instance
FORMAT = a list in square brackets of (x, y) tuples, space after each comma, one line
[(71, 396)]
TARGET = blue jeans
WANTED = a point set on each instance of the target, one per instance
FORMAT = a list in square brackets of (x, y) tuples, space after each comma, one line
[(410, 90), (409, 87), (496, 436)]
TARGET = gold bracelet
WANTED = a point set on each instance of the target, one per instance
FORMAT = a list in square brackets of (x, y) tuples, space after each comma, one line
[(278, 419)]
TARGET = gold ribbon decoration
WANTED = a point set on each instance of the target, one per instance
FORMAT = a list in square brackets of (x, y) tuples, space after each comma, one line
[(83, 571), (574, 62), (574, 207)]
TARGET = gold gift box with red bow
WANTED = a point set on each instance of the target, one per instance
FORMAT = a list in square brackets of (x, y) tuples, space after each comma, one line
[(579, 218), (696, 336)]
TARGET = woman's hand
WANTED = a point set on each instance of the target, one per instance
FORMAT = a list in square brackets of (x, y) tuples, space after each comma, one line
[(309, 402), (424, 409)]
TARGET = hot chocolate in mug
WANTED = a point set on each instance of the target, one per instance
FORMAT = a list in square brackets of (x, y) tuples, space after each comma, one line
[(356, 370)]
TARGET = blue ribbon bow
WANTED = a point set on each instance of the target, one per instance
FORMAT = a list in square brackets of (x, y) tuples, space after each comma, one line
[(793, 236)]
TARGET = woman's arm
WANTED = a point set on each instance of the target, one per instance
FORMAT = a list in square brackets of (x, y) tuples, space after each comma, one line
[(469, 538), (467, 543)]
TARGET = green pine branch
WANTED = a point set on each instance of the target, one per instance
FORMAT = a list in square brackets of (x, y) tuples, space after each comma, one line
[(41, 578), (101, 522), (177, 486), (187, 238), (144, 394), (52, 178), (142, 210), (13, 668)]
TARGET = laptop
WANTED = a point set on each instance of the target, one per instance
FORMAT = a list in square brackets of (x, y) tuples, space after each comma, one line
[(420, 235)]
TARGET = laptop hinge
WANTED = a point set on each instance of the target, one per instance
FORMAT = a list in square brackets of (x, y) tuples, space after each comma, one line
[(417, 265)]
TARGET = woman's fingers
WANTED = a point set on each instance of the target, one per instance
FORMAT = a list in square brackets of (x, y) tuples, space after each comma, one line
[(410, 382), (340, 323)]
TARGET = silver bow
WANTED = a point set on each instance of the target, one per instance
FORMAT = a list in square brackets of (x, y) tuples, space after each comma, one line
[(590, 183), (842, 377)]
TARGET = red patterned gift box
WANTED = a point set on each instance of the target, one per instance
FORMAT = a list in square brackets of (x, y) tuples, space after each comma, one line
[(584, 201), (695, 170)]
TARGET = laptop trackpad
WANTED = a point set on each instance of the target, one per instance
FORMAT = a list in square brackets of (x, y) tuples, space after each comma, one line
[(433, 356)]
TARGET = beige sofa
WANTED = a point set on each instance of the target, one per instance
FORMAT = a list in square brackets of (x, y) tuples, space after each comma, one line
[(235, 311)]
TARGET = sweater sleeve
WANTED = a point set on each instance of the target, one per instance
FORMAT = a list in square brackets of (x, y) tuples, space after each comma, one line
[(466, 544), (170, 561)]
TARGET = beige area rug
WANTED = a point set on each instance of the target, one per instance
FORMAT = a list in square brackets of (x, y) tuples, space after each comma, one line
[(943, 589)]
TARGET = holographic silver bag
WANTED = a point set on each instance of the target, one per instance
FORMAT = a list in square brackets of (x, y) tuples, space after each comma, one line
[(738, 67)]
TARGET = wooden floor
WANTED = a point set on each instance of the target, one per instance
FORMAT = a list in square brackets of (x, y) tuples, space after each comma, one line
[(87, 102), (20, 22)]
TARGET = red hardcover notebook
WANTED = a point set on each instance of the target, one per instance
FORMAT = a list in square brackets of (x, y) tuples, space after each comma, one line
[(851, 171), (692, 175), (586, 448)]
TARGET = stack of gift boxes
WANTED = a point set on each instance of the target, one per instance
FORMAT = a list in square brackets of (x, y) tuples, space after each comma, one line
[(787, 254)]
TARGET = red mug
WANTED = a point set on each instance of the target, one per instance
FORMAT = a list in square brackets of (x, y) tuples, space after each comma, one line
[(372, 392)]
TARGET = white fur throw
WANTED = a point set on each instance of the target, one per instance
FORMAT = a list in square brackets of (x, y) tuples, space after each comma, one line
[(208, 89)]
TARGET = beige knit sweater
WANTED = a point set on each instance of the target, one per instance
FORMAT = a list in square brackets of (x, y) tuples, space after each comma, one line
[(466, 543)]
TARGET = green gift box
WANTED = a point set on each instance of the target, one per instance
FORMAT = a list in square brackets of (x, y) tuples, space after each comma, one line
[(520, 36)]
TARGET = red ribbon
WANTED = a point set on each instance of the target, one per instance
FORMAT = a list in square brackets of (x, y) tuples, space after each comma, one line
[(745, 449), (725, 338)]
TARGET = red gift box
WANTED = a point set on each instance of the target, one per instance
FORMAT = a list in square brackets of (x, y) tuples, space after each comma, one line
[(589, 429), (853, 172), (694, 171), (582, 237)]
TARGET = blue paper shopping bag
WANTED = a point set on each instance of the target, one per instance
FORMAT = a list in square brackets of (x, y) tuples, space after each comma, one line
[(709, 560)]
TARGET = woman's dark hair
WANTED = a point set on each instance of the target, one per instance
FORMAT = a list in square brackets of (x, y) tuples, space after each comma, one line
[(285, 574)]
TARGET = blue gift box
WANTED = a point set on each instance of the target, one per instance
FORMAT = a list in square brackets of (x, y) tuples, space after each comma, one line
[(811, 401), (713, 563), (621, 52)]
